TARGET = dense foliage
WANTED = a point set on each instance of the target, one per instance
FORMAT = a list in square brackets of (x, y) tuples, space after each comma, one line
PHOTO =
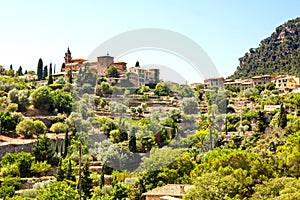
[(277, 54)]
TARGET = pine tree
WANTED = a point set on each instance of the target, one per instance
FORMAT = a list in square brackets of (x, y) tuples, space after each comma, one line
[(282, 120), (39, 71), (86, 182), (50, 79), (261, 122), (26, 72), (45, 72), (60, 175)]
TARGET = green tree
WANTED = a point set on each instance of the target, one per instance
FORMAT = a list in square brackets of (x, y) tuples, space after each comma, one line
[(57, 190), (112, 72), (22, 160), (104, 89), (42, 149), (45, 72), (282, 120), (132, 141), (190, 105), (41, 98), (261, 122), (39, 71), (8, 122), (86, 182), (20, 71), (20, 97), (62, 101), (50, 78), (162, 89)]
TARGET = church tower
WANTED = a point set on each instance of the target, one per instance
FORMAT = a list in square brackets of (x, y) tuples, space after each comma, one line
[(68, 56)]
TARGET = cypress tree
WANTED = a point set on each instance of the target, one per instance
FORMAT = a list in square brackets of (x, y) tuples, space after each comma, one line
[(20, 71), (60, 175), (70, 75), (282, 120), (132, 143), (66, 144), (86, 182), (69, 173), (39, 71), (45, 72), (50, 79), (101, 184)]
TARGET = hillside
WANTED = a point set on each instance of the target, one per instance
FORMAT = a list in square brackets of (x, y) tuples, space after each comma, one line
[(277, 54)]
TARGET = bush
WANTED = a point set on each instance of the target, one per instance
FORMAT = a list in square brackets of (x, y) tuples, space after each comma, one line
[(10, 170), (7, 191), (40, 127), (11, 181), (26, 128), (41, 98), (40, 168), (59, 127), (22, 160)]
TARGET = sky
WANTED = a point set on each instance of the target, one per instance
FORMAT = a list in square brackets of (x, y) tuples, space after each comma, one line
[(225, 30)]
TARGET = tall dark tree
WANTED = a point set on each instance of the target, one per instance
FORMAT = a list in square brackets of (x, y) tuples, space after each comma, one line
[(39, 71), (11, 71), (50, 79), (45, 72), (86, 182), (132, 142), (282, 120), (54, 69), (69, 172), (20, 71), (60, 175), (66, 144), (63, 67), (101, 184), (137, 64), (70, 75), (261, 122)]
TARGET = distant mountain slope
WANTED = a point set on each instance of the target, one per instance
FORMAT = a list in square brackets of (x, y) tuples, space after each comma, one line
[(277, 54)]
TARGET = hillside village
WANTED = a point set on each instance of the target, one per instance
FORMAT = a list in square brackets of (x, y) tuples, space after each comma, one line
[(105, 130)]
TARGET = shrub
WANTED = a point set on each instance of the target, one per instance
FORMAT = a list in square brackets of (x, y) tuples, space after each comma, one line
[(40, 127), (59, 127), (10, 170), (26, 128), (11, 181), (40, 168)]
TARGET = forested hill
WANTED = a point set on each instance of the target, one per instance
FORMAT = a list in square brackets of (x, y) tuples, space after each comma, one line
[(277, 54)]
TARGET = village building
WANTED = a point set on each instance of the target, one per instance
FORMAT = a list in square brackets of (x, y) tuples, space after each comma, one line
[(214, 82), (167, 192), (285, 84)]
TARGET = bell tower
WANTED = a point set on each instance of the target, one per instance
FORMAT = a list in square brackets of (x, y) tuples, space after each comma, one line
[(68, 56)]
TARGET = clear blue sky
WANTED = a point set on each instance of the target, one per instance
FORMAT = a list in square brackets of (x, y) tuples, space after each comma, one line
[(35, 29)]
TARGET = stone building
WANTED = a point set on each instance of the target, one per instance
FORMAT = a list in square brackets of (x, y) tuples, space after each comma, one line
[(170, 191)]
